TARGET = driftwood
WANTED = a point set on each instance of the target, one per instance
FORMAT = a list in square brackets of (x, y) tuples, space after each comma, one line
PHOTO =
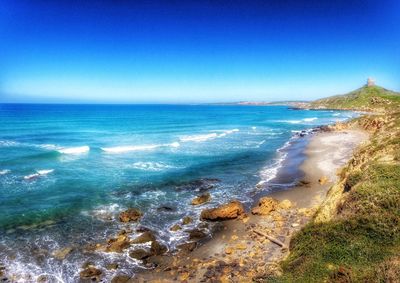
[(272, 239)]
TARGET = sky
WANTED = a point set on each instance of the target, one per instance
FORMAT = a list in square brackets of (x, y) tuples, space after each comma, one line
[(171, 51)]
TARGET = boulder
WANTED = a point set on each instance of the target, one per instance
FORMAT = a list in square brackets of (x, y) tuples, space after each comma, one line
[(175, 228), (121, 279), (230, 210), (265, 206), (196, 234), (144, 238), (140, 254), (118, 244), (187, 220), (91, 273), (157, 249), (130, 215), (187, 247), (201, 199)]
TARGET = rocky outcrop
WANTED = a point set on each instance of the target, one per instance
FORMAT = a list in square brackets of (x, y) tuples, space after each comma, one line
[(231, 210), (145, 237), (62, 253), (265, 206), (92, 273), (130, 215), (201, 199)]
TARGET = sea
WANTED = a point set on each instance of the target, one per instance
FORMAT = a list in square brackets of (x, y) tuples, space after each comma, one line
[(67, 171)]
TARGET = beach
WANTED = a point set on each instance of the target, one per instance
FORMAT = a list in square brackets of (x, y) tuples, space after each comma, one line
[(239, 250)]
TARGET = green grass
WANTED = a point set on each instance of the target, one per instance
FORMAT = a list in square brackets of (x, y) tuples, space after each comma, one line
[(361, 242), (366, 98)]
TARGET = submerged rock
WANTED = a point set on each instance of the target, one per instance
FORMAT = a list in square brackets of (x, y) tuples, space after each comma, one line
[(62, 253), (201, 199), (175, 228), (92, 273), (265, 206), (200, 185), (130, 215), (187, 220), (226, 211)]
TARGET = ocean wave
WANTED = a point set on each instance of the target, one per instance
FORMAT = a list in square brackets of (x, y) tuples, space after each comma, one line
[(336, 114), (205, 137), (310, 119), (122, 149), (74, 150), (8, 143), (5, 171), (38, 174), (128, 148), (151, 166)]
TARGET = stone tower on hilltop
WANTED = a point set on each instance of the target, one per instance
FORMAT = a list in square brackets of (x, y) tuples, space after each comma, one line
[(370, 82)]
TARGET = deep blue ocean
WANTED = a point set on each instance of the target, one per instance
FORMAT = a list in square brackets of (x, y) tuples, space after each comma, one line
[(66, 171)]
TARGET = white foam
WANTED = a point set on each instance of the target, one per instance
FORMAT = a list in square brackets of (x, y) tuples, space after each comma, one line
[(7, 143), (122, 149), (151, 166), (38, 174), (336, 114), (290, 121), (206, 137), (175, 144), (310, 119), (74, 150), (253, 128), (5, 171)]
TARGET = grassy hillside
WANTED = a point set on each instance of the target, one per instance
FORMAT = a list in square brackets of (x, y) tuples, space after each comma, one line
[(372, 98), (355, 235)]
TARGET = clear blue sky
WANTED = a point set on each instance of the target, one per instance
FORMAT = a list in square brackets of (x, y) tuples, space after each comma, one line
[(202, 51)]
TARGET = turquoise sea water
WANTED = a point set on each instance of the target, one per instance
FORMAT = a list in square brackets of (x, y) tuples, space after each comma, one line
[(67, 170)]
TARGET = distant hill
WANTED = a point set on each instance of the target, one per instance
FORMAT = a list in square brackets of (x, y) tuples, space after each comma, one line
[(366, 98)]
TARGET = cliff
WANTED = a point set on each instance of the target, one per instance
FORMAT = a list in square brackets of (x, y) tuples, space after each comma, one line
[(355, 235)]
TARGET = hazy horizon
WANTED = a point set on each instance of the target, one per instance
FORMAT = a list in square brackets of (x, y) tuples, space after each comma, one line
[(166, 52)]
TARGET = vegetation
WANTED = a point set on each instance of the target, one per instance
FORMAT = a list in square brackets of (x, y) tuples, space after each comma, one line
[(360, 242), (367, 98)]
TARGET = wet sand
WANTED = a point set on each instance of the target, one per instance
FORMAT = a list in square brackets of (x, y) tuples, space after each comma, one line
[(237, 252)]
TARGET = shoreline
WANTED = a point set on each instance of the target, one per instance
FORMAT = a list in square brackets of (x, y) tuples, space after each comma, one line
[(236, 251)]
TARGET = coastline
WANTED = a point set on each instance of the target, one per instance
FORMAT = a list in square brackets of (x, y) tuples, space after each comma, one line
[(236, 252)]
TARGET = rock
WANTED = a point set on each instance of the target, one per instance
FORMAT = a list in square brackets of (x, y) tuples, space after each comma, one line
[(157, 248), (112, 266), (187, 247), (175, 228), (140, 254), (91, 273), (130, 215), (120, 279), (285, 204), (228, 250), (41, 279), (227, 211), (323, 180), (196, 234), (265, 206), (201, 199), (118, 244), (62, 253), (294, 225), (144, 238), (187, 220)]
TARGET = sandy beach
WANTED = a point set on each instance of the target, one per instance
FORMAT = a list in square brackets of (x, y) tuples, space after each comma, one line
[(239, 250)]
